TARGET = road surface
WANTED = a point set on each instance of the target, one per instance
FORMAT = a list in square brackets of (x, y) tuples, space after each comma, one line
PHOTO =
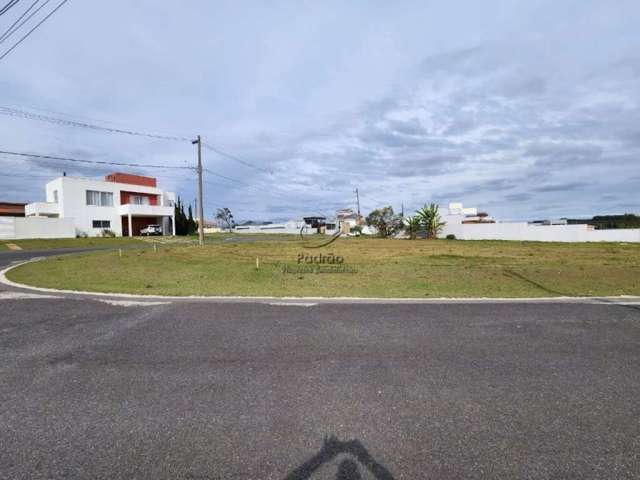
[(102, 388)]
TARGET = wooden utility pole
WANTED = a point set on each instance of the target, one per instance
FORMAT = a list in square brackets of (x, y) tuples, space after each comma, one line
[(358, 202), (200, 202)]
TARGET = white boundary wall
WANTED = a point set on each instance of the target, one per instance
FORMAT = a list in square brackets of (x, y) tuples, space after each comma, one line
[(289, 227), (14, 228), (523, 231), (7, 227)]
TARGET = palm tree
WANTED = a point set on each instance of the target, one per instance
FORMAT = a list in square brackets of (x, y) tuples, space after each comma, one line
[(411, 225), (430, 219)]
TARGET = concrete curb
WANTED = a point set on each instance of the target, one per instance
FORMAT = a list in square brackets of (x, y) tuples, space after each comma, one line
[(616, 300)]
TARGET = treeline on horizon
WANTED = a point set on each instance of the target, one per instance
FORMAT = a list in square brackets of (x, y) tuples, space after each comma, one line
[(602, 222)]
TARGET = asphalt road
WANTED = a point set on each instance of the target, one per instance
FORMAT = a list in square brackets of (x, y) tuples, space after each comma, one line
[(204, 390), (10, 256)]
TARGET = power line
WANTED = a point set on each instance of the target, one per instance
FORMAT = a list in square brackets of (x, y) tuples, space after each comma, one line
[(71, 116), (260, 190), (272, 192), (139, 165), (14, 112), (56, 175), (98, 162), (33, 29), (6, 8), (219, 175), (380, 202), (25, 175), (10, 31), (236, 159)]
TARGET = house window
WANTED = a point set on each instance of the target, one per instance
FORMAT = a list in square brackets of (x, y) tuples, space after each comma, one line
[(101, 224), (55, 196), (101, 199), (139, 200)]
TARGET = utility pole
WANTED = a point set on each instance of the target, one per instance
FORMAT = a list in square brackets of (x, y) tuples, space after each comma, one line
[(358, 202), (200, 203)]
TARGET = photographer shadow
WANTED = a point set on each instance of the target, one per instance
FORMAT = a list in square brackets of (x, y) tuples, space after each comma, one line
[(348, 468)]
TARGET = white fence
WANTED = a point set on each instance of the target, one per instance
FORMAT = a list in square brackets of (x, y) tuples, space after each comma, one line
[(289, 227), (7, 227), (541, 233), (14, 228)]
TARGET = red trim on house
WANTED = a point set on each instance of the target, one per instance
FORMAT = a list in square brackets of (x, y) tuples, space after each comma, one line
[(125, 197), (131, 179), (10, 209)]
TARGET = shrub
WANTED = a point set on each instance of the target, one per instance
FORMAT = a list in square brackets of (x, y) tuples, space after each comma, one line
[(451, 236), (108, 233)]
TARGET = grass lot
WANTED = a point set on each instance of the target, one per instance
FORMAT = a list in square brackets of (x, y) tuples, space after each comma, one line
[(385, 268)]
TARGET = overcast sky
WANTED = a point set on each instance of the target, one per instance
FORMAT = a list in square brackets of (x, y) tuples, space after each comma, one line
[(525, 109)]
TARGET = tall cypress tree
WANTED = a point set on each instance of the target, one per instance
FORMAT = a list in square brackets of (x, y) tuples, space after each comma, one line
[(191, 223), (181, 218)]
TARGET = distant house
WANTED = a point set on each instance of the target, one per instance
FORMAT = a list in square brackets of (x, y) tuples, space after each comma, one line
[(457, 213), (318, 223), (10, 209), (346, 219), (542, 223), (122, 202)]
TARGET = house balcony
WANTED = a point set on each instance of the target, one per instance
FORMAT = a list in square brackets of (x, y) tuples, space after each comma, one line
[(145, 210), (42, 209)]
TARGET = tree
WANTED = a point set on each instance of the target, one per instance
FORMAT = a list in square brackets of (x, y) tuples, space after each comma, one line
[(385, 221), (411, 226), (225, 217), (192, 225), (180, 218), (430, 219)]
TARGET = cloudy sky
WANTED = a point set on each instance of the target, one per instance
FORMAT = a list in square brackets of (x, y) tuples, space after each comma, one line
[(526, 109)]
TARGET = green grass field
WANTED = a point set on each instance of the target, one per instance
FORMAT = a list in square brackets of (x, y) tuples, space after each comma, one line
[(374, 267)]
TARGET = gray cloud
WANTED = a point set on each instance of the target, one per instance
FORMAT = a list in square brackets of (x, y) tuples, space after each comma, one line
[(562, 187)]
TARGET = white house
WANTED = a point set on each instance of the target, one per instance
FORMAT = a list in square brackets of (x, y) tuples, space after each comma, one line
[(346, 219), (122, 203)]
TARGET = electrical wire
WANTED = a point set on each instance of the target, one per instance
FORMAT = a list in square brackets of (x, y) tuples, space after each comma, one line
[(234, 158), (97, 162), (219, 175), (29, 110), (265, 188), (33, 29), (6, 8), (11, 30), (25, 175), (14, 112)]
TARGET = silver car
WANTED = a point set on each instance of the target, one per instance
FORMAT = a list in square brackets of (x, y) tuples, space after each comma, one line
[(151, 230)]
